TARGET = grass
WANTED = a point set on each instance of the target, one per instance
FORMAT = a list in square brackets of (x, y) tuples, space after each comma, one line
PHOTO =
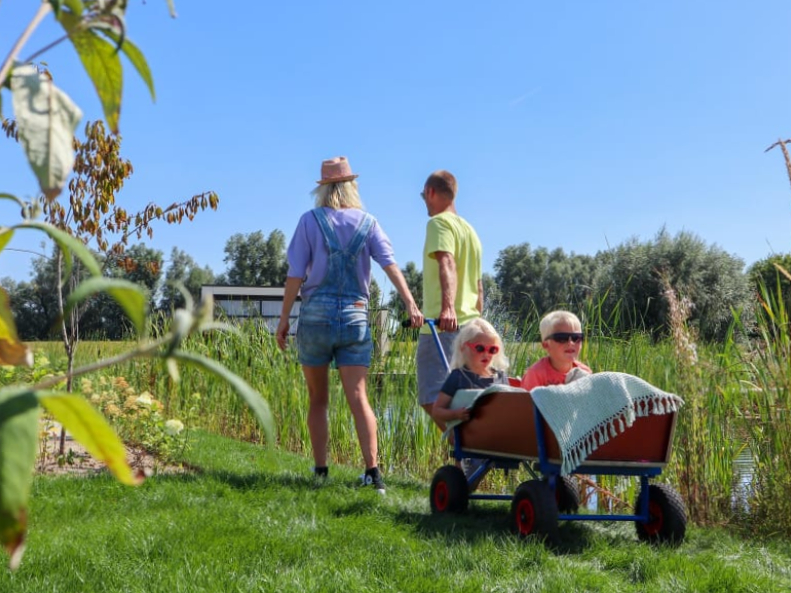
[(252, 519), (737, 394)]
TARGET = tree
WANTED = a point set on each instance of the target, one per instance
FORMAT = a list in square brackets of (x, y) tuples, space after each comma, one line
[(103, 318), (255, 260), (538, 281), (29, 310), (374, 296), (45, 122), (629, 280), (414, 280), (185, 271), (772, 273), (92, 216), (34, 304)]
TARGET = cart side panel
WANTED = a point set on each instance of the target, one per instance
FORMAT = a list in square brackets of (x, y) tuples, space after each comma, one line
[(648, 439), (503, 423)]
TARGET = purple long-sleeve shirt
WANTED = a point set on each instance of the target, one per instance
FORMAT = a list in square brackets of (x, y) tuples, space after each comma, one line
[(307, 254)]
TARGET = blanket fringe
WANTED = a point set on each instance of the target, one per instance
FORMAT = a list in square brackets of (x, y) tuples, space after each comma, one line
[(609, 403), (657, 404)]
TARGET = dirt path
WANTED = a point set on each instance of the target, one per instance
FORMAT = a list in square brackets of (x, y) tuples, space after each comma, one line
[(77, 461)]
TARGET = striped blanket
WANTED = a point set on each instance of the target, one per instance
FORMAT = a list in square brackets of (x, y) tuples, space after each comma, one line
[(587, 412)]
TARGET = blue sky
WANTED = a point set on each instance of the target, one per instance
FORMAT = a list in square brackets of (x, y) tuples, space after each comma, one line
[(568, 124)]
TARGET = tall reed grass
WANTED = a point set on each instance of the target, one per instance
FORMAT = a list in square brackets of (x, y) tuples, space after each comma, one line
[(762, 397), (737, 395)]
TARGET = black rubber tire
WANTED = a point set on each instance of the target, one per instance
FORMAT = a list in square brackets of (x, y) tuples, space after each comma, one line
[(449, 491), (667, 523), (567, 494), (534, 511)]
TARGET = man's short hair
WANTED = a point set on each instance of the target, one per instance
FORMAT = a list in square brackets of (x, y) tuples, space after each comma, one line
[(442, 182)]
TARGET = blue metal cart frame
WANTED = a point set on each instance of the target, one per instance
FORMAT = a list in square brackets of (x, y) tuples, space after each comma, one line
[(659, 515)]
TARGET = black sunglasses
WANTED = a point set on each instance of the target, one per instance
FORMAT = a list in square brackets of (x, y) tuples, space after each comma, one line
[(563, 337)]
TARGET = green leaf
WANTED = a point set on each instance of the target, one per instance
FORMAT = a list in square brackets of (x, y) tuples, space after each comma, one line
[(86, 424), (12, 351), (19, 413), (67, 245), (254, 400), (46, 120), (172, 8), (75, 6), (56, 6), (4, 196), (103, 66), (136, 57), (129, 296), (6, 234)]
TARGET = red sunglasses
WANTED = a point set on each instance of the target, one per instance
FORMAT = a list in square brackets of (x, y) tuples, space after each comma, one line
[(480, 348)]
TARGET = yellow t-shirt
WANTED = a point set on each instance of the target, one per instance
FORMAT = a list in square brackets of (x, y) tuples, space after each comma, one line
[(450, 232)]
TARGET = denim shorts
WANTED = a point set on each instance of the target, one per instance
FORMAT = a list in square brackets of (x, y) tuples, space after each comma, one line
[(431, 371), (336, 329)]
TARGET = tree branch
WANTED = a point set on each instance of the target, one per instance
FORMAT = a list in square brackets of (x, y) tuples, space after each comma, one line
[(43, 10)]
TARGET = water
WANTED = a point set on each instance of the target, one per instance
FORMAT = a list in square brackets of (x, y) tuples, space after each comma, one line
[(743, 475)]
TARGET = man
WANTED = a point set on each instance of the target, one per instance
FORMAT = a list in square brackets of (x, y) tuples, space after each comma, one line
[(452, 284)]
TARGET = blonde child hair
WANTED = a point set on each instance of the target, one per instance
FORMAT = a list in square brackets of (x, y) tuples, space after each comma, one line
[(468, 332), (553, 319)]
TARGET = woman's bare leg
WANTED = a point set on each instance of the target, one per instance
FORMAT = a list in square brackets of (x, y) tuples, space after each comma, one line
[(353, 379), (317, 379)]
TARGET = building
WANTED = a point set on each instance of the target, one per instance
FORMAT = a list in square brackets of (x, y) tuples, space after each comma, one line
[(250, 302)]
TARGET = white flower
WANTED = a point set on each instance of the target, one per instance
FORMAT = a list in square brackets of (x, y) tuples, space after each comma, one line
[(173, 427), (145, 399)]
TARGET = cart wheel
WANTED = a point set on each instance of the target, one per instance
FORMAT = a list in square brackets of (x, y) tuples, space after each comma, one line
[(567, 494), (534, 511), (449, 492), (667, 519)]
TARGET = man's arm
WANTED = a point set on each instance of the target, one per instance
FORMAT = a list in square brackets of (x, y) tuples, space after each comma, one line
[(480, 297), (448, 285)]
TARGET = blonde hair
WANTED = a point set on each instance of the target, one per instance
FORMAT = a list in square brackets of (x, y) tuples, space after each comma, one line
[(555, 318), (343, 194), (468, 332)]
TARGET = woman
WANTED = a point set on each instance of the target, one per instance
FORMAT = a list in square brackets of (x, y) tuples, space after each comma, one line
[(329, 260)]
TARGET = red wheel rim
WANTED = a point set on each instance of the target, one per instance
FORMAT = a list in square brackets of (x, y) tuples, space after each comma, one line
[(525, 517), (441, 496), (655, 519)]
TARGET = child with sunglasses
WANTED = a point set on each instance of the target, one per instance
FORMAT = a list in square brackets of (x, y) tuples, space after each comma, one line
[(561, 337), (478, 361)]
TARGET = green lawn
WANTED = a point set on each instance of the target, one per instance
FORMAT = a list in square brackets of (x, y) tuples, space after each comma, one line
[(251, 519)]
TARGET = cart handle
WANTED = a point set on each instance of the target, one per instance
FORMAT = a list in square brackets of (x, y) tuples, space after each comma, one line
[(432, 323), (408, 322)]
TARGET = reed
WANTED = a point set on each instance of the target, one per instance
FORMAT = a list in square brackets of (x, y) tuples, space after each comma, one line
[(764, 410), (737, 395)]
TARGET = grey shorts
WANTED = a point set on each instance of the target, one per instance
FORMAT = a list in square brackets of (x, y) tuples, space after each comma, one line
[(431, 371)]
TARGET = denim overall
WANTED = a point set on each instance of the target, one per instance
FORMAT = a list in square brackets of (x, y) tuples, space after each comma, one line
[(333, 322)]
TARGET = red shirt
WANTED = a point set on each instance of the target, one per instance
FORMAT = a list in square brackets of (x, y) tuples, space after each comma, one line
[(542, 373)]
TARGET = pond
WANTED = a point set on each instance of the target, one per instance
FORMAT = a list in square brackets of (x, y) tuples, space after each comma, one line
[(743, 475)]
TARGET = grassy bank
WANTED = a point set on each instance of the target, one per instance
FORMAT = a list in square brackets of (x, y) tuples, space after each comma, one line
[(252, 520), (737, 394)]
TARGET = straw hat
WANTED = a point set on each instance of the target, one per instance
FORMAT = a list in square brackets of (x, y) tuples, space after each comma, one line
[(335, 170)]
